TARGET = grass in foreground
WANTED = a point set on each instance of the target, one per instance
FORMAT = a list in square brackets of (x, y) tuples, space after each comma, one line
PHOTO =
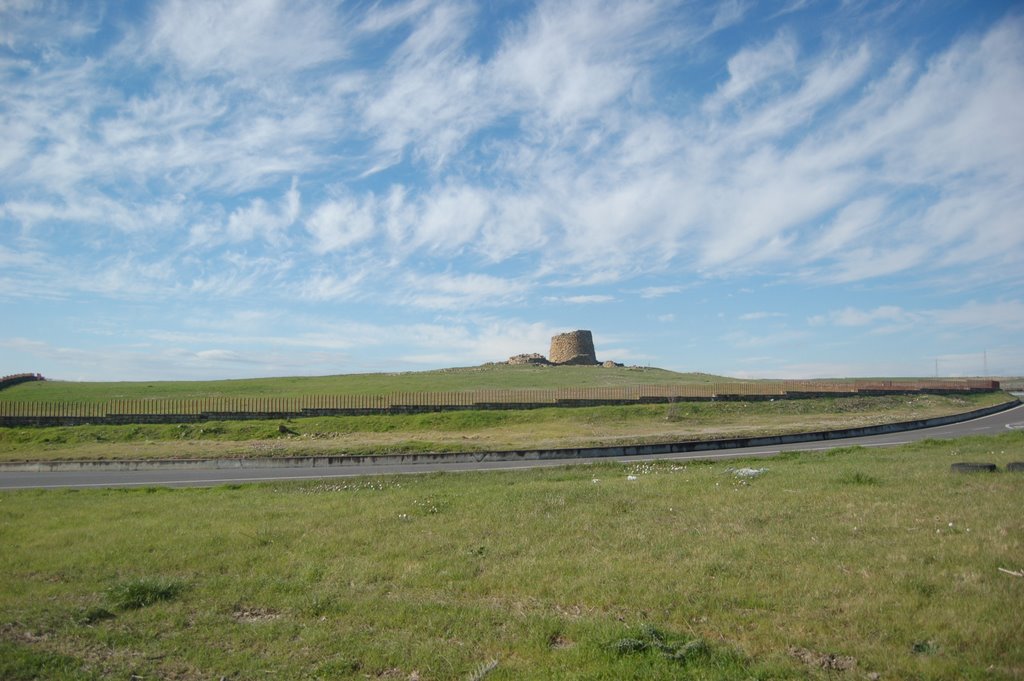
[(825, 565), (476, 430)]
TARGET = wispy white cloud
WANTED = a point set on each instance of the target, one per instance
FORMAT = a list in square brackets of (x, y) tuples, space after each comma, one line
[(328, 286), (339, 223), (570, 60), (462, 342), (170, 362), (994, 361), (431, 95), (582, 299), (795, 6), (754, 66), (853, 317), (729, 13), (246, 37), (37, 24), (753, 316), (322, 348), (769, 183), (258, 219), (460, 292), (96, 209), (742, 339), (659, 291), (1007, 314), (451, 219), (407, 157), (774, 368), (382, 17)]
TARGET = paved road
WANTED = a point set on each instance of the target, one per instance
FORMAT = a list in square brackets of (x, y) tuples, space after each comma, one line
[(988, 425)]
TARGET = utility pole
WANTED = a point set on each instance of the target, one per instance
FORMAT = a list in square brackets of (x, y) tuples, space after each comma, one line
[(936, 367), (985, 355)]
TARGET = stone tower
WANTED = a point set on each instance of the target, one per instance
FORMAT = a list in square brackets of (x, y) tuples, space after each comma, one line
[(575, 347)]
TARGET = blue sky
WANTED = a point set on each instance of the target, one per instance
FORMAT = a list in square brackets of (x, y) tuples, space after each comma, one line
[(799, 188)]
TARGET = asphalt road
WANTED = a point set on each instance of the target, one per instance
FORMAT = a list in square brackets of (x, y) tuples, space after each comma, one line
[(988, 425)]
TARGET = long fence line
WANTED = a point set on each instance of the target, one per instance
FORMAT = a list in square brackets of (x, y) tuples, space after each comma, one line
[(272, 407)]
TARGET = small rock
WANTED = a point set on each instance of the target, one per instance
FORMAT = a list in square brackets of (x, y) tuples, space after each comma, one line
[(971, 467)]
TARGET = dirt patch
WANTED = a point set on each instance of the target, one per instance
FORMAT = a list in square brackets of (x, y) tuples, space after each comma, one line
[(396, 673), (574, 612), (560, 642), (255, 615), (15, 632), (828, 661)]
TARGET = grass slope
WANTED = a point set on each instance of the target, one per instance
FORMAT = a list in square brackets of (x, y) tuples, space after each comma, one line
[(476, 430), (872, 561), (496, 376)]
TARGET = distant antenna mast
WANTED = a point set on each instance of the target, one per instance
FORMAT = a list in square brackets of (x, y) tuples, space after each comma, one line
[(985, 355), (936, 367)]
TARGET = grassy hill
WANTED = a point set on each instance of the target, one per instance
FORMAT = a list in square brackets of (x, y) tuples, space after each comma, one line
[(488, 376)]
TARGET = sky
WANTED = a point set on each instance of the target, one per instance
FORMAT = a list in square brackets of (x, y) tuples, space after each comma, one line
[(789, 189)]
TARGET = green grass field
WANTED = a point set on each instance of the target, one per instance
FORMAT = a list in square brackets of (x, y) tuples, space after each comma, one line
[(488, 376), (476, 430), (837, 565)]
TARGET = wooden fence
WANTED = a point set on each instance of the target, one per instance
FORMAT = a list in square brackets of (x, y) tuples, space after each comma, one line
[(484, 398)]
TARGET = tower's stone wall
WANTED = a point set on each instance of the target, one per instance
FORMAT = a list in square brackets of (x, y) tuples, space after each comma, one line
[(575, 347)]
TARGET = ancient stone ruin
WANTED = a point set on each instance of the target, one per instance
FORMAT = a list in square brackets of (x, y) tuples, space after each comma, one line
[(531, 358), (575, 347)]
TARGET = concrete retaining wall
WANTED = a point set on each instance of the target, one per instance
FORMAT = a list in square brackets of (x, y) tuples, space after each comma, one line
[(566, 454)]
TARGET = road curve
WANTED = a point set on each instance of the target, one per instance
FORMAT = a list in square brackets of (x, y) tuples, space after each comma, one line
[(994, 424)]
